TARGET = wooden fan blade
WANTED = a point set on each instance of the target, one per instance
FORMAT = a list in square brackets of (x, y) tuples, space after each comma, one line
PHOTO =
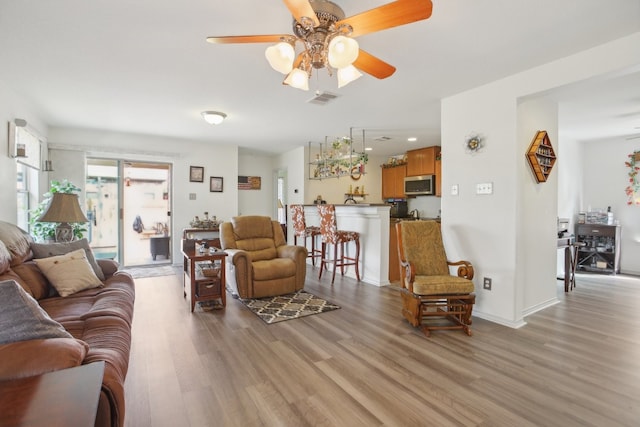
[(390, 15), (268, 38), (373, 65), (300, 8)]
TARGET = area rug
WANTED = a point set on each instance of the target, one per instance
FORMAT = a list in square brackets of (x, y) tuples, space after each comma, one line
[(286, 307), (151, 271)]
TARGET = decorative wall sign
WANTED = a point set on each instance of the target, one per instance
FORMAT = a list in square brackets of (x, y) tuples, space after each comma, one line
[(541, 156), (249, 183), (633, 189)]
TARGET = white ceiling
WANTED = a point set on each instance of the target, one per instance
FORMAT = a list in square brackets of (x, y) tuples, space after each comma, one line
[(144, 67)]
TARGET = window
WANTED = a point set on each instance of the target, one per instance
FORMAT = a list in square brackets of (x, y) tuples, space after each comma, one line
[(23, 196)]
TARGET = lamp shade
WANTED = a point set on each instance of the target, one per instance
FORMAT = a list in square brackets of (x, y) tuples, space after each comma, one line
[(342, 51), (213, 117), (64, 207), (298, 78), (348, 74), (280, 57)]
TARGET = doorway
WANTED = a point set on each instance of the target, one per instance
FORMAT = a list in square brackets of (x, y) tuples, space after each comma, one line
[(128, 204)]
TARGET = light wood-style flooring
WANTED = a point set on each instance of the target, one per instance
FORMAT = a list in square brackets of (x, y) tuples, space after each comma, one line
[(574, 364)]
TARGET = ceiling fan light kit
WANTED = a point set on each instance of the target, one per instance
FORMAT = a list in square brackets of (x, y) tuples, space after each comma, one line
[(328, 40)]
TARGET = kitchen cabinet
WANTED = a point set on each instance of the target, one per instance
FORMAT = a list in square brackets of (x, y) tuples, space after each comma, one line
[(422, 161), (393, 182), (598, 248)]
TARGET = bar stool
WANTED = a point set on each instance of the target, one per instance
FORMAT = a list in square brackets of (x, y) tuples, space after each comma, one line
[(300, 229), (331, 235)]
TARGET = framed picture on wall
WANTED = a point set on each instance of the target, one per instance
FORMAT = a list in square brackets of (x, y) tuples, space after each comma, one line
[(196, 174), (215, 184)]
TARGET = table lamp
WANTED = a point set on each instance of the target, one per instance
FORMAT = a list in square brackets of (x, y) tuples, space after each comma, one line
[(63, 209)]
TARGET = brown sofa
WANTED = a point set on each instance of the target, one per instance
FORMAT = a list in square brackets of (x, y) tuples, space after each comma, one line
[(259, 262), (98, 321)]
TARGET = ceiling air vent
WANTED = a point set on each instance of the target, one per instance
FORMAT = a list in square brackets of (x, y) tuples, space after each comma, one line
[(322, 98), (382, 138)]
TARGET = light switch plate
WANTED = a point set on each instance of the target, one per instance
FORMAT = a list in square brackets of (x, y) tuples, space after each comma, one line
[(484, 188), (192, 196)]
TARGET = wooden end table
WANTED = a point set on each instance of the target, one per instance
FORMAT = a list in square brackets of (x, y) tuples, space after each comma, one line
[(68, 397), (203, 288)]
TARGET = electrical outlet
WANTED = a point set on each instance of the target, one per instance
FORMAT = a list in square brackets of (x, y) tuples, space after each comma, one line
[(454, 190), (486, 284), (484, 188)]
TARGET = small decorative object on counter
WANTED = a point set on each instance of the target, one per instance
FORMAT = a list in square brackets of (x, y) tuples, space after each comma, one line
[(204, 223)]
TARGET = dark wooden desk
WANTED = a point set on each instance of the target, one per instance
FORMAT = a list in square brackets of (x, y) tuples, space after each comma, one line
[(65, 398), (567, 243)]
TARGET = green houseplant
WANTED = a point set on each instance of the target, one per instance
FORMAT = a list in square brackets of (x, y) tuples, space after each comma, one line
[(44, 231)]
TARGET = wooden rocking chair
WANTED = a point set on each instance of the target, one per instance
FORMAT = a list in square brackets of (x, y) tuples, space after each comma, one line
[(432, 298)]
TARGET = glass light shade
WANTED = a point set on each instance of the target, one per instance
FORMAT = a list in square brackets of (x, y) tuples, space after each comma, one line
[(298, 78), (348, 74), (280, 57), (213, 117), (342, 51)]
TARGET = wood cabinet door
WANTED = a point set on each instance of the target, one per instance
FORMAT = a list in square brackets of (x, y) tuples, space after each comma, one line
[(439, 178), (422, 161), (393, 182)]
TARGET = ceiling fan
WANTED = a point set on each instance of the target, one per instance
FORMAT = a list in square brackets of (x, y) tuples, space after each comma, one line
[(327, 38)]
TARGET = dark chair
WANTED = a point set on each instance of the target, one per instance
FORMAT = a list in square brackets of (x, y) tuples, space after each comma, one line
[(432, 298)]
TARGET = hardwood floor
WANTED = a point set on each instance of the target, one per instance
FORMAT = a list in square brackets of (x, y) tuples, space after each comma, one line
[(574, 364)]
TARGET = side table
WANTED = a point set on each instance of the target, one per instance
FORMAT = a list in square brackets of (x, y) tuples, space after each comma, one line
[(203, 288), (68, 397)]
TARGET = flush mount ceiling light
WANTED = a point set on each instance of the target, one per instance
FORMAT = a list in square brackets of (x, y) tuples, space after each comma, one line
[(213, 117), (327, 39)]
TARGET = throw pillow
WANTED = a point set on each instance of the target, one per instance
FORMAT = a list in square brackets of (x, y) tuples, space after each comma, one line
[(43, 250), (69, 273), (22, 319)]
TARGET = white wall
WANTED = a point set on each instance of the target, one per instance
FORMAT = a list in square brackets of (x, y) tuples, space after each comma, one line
[(604, 183), (256, 202), (485, 229), (12, 107)]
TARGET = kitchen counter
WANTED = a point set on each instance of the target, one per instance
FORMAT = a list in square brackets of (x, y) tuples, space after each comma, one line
[(372, 222)]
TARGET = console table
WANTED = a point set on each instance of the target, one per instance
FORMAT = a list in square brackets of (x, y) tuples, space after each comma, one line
[(68, 397)]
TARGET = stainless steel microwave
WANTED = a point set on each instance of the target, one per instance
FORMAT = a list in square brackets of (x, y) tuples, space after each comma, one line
[(419, 185)]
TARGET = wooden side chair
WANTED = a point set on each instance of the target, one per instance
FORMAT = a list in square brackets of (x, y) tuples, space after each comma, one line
[(432, 298), (338, 238), (300, 229)]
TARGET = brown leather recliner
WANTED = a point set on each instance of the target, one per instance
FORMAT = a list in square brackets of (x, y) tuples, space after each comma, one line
[(259, 262)]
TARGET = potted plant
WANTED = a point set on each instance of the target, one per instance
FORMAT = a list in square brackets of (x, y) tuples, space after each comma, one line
[(46, 231)]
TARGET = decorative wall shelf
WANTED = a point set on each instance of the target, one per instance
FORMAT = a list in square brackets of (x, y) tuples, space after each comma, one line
[(541, 156), (336, 157)]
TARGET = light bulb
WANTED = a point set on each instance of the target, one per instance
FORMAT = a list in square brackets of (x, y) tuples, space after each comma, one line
[(280, 57), (348, 74), (342, 51), (298, 78)]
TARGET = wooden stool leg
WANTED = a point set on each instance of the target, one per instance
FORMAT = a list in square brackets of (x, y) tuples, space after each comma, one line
[(358, 259), (313, 249), (335, 262), (322, 259)]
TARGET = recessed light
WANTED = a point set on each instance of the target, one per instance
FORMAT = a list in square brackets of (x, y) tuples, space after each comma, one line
[(368, 149), (412, 139)]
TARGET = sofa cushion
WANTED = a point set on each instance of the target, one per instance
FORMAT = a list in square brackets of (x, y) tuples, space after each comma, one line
[(5, 258), (17, 242), (69, 273), (42, 250), (32, 279), (21, 318)]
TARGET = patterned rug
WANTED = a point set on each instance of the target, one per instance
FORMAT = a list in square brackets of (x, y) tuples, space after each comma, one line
[(286, 307), (151, 271)]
